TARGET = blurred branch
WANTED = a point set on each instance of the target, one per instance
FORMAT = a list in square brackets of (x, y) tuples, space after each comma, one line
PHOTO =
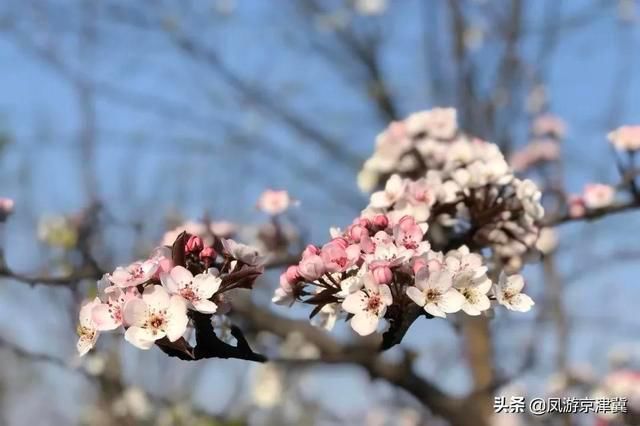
[(365, 355), (592, 215), (336, 150), (367, 55)]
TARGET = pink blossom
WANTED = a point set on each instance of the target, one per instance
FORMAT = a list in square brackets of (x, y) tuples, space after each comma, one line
[(135, 274), (292, 274), (626, 138), (6, 208), (208, 255), (597, 195), (155, 316), (108, 315), (407, 233), (382, 274), (87, 330), (576, 206), (195, 290), (335, 256), (310, 250), (162, 257), (311, 267), (356, 232), (274, 202), (381, 221)]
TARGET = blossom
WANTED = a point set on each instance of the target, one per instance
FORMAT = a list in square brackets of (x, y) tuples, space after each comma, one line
[(195, 290), (108, 315), (327, 316), (470, 279), (194, 244), (576, 206), (311, 267), (274, 202), (547, 241), (155, 316), (435, 293), (242, 252), (87, 329), (597, 195), (626, 138), (508, 292), (408, 234), (284, 294), (6, 208), (393, 190), (368, 306), (135, 274)]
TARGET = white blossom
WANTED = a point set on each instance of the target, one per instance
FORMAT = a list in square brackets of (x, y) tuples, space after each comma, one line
[(508, 292)]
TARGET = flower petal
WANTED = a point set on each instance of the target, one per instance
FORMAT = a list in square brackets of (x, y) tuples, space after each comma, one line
[(451, 301), (139, 337), (205, 306), (156, 297), (103, 319), (433, 309), (364, 323), (169, 283), (416, 295), (177, 319), (355, 302), (205, 285), (135, 312), (181, 275), (385, 295)]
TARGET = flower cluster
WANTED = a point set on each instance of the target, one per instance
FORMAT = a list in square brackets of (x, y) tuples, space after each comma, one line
[(155, 300), (462, 186), (382, 267)]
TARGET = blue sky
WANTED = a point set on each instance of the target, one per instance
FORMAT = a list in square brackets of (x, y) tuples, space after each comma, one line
[(149, 164)]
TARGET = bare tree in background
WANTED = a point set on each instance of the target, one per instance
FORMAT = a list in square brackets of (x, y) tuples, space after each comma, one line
[(492, 61)]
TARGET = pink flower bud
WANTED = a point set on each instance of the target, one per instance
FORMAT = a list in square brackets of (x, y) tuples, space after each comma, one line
[(208, 253), (340, 241), (381, 221), (312, 267), (310, 250), (356, 232), (292, 274), (364, 222), (576, 206), (194, 244), (383, 275)]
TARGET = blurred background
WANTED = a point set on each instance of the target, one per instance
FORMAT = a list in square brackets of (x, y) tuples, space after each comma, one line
[(121, 119)]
